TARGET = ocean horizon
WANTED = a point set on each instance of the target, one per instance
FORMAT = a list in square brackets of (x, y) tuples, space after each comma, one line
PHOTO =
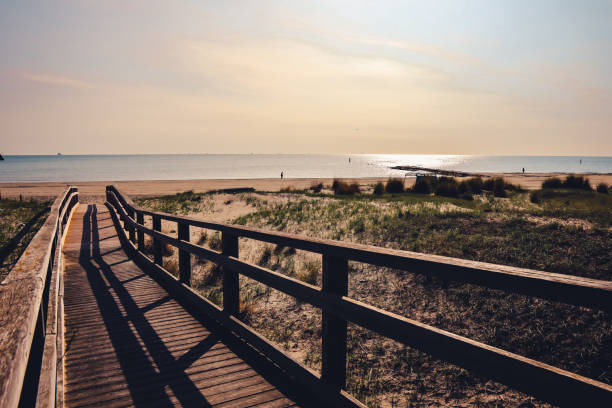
[(41, 168)]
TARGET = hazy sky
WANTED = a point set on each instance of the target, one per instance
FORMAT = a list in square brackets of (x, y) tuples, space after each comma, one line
[(169, 76)]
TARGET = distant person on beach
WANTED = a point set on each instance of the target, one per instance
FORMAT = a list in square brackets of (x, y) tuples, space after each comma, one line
[(349, 159), (523, 170), (281, 175)]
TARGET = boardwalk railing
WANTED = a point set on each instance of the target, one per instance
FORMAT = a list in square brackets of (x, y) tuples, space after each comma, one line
[(535, 378), (31, 335)]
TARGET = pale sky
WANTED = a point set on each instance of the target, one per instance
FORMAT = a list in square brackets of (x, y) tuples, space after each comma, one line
[(171, 76)]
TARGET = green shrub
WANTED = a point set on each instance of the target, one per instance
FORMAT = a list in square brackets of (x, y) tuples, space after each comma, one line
[(464, 187), (488, 184), (214, 242), (553, 182), (571, 181), (421, 186), (512, 187), (335, 184), (343, 188), (464, 191), (394, 185), (447, 190), (577, 182), (602, 188), (475, 184), (379, 188), (499, 187), (447, 180), (316, 187), (536, 196)]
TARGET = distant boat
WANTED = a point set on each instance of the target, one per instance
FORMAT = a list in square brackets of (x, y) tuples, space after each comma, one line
[(59, 154)]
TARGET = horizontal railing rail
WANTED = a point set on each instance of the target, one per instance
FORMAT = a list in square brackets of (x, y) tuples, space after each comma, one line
[(29, 315), (541, 380)]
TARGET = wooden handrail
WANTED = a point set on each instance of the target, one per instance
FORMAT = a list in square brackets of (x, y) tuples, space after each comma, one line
[(28, 307), (575, 290), (535, 378)]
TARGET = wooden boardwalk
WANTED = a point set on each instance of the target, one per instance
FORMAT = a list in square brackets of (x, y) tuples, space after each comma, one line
[(128, 343)]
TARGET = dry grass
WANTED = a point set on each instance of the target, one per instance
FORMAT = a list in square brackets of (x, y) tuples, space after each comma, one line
[(171, 265), (214, 242), (247, 311), (499, 230), (14, 215), (309, 272)]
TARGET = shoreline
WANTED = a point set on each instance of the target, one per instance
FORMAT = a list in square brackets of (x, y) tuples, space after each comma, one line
[(93, 191)]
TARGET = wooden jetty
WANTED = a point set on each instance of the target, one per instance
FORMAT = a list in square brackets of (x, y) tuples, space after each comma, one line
[(89, 319)]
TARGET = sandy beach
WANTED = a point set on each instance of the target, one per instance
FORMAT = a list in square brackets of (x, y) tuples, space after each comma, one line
[(93, 191)]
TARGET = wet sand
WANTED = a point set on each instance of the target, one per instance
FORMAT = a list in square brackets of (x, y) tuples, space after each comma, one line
[(93, 191)]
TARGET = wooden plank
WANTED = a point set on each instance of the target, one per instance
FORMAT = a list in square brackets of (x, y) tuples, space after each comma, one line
[(214, 365), (46, 394), (59, 389), (206, 382)]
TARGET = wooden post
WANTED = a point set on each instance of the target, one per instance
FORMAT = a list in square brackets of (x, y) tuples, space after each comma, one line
[(184, 256), (333, 364), (231, 287), (141, 237), (115, 202), (131, 228), (157, 245)]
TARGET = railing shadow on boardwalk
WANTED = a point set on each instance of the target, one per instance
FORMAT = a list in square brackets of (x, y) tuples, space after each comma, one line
[(144, 382), (146, 363)]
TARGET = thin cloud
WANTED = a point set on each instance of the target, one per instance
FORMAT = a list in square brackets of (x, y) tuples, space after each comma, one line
[(417, 48), (51, 79)]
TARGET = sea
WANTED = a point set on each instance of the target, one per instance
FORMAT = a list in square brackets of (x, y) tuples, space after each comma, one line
[(250, 166)]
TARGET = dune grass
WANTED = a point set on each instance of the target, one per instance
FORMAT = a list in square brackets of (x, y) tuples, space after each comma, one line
[(497, 230), (567, 231), (14, 214)]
